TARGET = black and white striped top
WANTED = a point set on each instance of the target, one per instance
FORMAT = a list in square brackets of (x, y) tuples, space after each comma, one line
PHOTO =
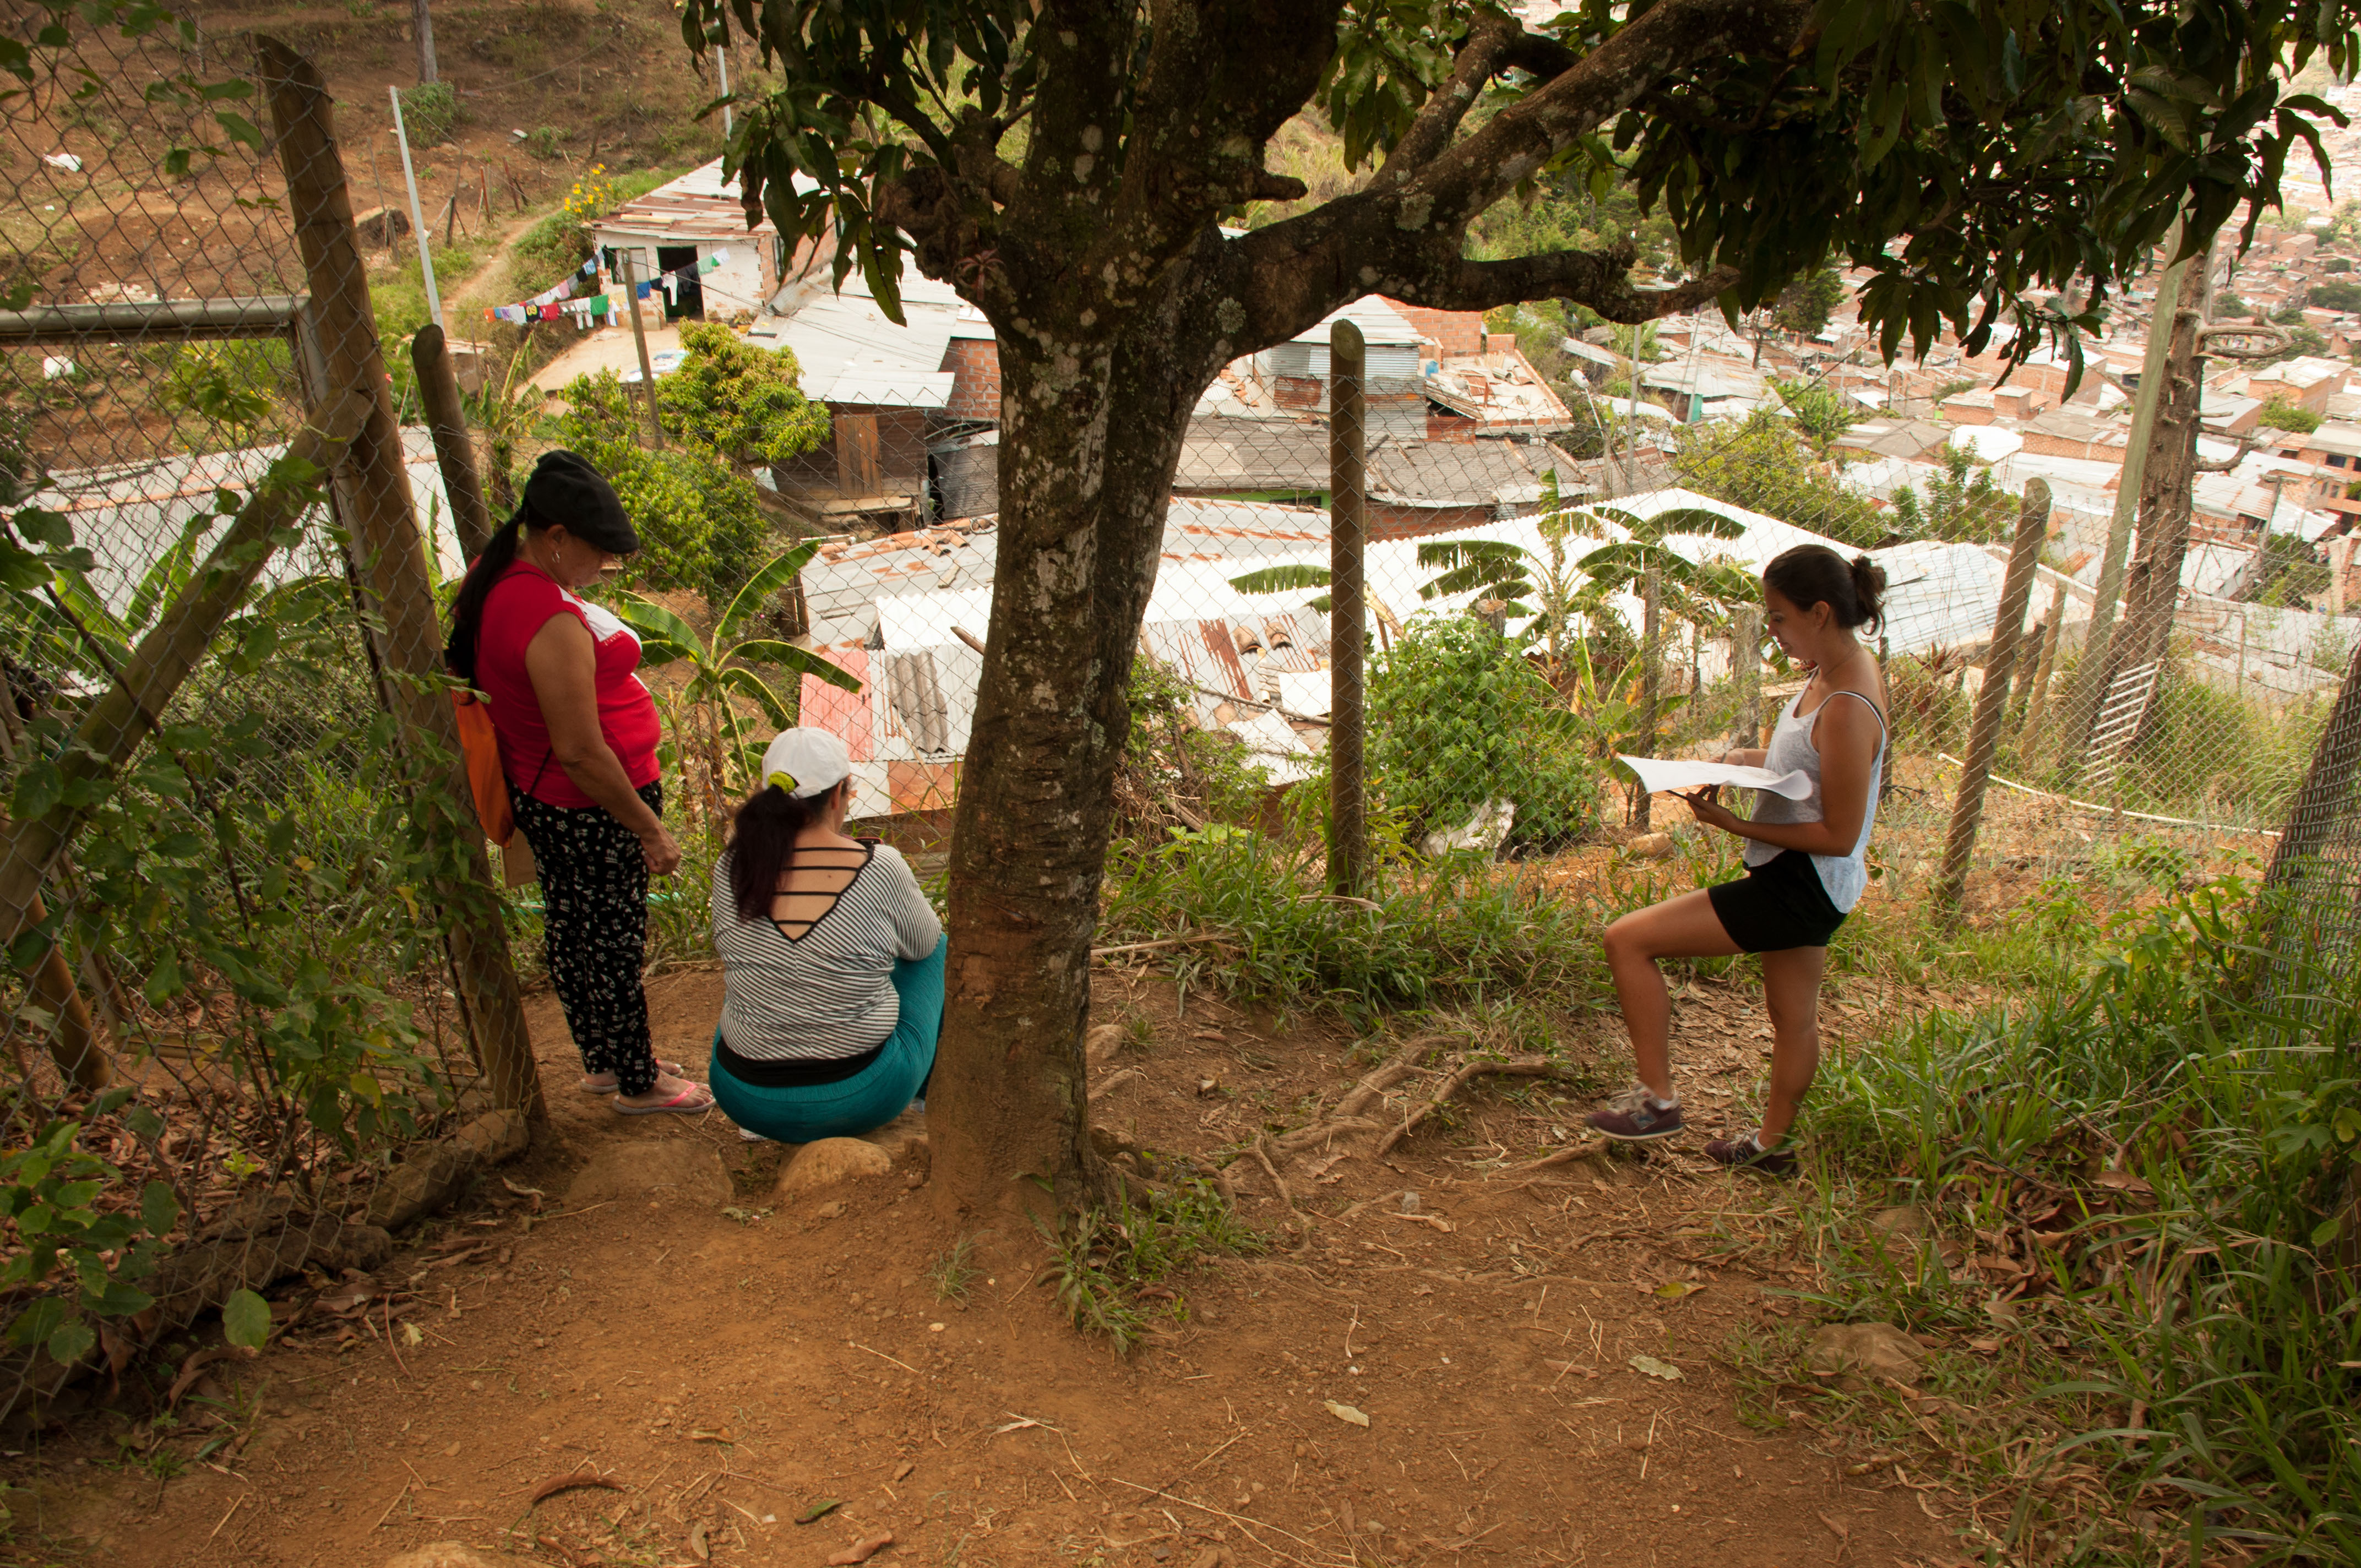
[(828, 993)]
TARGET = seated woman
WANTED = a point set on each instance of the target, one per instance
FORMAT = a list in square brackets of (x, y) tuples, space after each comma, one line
[(832, 960)]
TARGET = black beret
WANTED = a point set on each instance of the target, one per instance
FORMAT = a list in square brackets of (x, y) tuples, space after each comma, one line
[(564, 489)]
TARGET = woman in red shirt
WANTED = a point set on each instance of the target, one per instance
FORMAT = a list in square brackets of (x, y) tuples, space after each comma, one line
[(577, 734)]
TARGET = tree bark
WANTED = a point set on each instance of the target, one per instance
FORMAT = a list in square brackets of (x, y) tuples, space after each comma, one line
[(2152, 586), (423, 23), (1087, 458)]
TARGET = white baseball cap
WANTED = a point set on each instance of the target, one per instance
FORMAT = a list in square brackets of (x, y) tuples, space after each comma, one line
[(806, 762)]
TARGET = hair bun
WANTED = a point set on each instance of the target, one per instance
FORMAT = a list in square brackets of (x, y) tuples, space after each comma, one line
[(1869, 590)]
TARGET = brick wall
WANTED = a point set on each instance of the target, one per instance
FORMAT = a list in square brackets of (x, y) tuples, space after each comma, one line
[(2041, 444), (1461, 333), (975, 362)]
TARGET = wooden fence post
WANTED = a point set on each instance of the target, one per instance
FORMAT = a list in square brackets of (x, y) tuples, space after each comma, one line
[(1651, 610), (1348, 532), (372, 489), (1992, 697), (454, 453)]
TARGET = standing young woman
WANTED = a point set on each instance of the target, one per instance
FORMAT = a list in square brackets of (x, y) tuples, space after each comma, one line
[(577, 734), (1804, 862)]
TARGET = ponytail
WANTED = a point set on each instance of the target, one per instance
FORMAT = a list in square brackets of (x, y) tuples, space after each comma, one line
[(468, 609), (1813, 573), (762, 838)]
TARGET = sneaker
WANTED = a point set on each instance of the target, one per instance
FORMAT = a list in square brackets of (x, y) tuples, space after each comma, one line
[(1745, 1154), (1629, 1118)]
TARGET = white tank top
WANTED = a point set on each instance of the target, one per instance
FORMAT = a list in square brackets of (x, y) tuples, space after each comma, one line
[(1792, 747)]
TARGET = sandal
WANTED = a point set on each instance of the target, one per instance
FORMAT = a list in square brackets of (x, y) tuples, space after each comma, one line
[(694, 1100), (587, 1087)]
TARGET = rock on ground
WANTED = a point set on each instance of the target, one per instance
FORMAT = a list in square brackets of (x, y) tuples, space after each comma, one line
[(829, 1162), (654, 1167), (1870, 1349)]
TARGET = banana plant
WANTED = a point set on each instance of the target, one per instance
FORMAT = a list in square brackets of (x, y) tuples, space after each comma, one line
[(724, 669)]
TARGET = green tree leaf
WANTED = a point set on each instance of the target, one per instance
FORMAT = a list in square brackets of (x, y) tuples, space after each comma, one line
[(246, 1320)]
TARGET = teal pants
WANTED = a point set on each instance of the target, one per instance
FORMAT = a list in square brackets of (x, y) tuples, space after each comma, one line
[(805, 1113)]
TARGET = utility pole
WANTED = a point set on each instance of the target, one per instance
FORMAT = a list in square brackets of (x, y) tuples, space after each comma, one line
[(721, 63), (417, 218)]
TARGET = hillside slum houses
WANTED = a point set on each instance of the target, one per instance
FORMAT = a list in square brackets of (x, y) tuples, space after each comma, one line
[(910, 614)]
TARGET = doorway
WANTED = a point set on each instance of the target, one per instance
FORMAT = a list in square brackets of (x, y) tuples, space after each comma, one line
[(686, 299)]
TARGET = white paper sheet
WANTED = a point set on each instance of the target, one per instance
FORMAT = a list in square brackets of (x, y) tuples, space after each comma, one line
[(1658, 774)]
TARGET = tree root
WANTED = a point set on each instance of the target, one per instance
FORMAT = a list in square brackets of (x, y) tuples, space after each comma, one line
[(1466, 1073), (1594, 1149), (1262, 1153), (1348, 1116)]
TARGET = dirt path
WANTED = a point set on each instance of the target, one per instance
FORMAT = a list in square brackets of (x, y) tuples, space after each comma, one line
[(726, 1362)]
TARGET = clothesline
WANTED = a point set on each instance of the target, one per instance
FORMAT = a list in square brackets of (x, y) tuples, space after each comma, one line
[(558, 300)]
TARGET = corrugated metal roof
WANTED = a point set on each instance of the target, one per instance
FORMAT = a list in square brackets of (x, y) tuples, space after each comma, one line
[(697, 207), (131, 516), (847, 341)]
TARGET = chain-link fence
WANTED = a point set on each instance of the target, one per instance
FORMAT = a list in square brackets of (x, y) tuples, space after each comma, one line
[(244, 966), (1544, 591)]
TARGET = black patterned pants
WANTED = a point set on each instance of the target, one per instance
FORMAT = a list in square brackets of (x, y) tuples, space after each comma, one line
[(594, 889)]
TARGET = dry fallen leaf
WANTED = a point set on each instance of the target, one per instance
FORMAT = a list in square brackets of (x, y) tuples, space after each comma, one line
[(697, 1547), (568, 1482), (862, 1550), (1346, 1413), (1842, 1533), (723, 1435), (1655, 1368), (1675, 1289), (905, 1470)]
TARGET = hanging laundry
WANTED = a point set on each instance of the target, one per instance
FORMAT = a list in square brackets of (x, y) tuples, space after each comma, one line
[(549, 312), (600, 304), (712, 263)]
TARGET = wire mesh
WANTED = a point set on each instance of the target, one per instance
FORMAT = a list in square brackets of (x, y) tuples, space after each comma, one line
[(231, 998), (1508, 557)]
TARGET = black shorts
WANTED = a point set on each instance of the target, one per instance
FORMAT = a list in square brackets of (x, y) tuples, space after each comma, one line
[(1778, 907)]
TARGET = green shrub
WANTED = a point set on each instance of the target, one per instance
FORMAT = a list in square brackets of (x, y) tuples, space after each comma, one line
[(2281, 414), (743, 401), (1457, 719), (430, 113), (1764, 466), (699, 523)]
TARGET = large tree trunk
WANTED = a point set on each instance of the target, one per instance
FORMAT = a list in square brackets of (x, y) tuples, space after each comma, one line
[(1087, 451)]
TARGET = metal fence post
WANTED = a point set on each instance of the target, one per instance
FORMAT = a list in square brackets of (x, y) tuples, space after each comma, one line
[(1348, 532), (454, 454), (1992, 698), (373, 495)]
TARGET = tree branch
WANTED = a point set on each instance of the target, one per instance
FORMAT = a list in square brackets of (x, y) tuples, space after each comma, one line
[(1599, 279), (1491, 43)]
